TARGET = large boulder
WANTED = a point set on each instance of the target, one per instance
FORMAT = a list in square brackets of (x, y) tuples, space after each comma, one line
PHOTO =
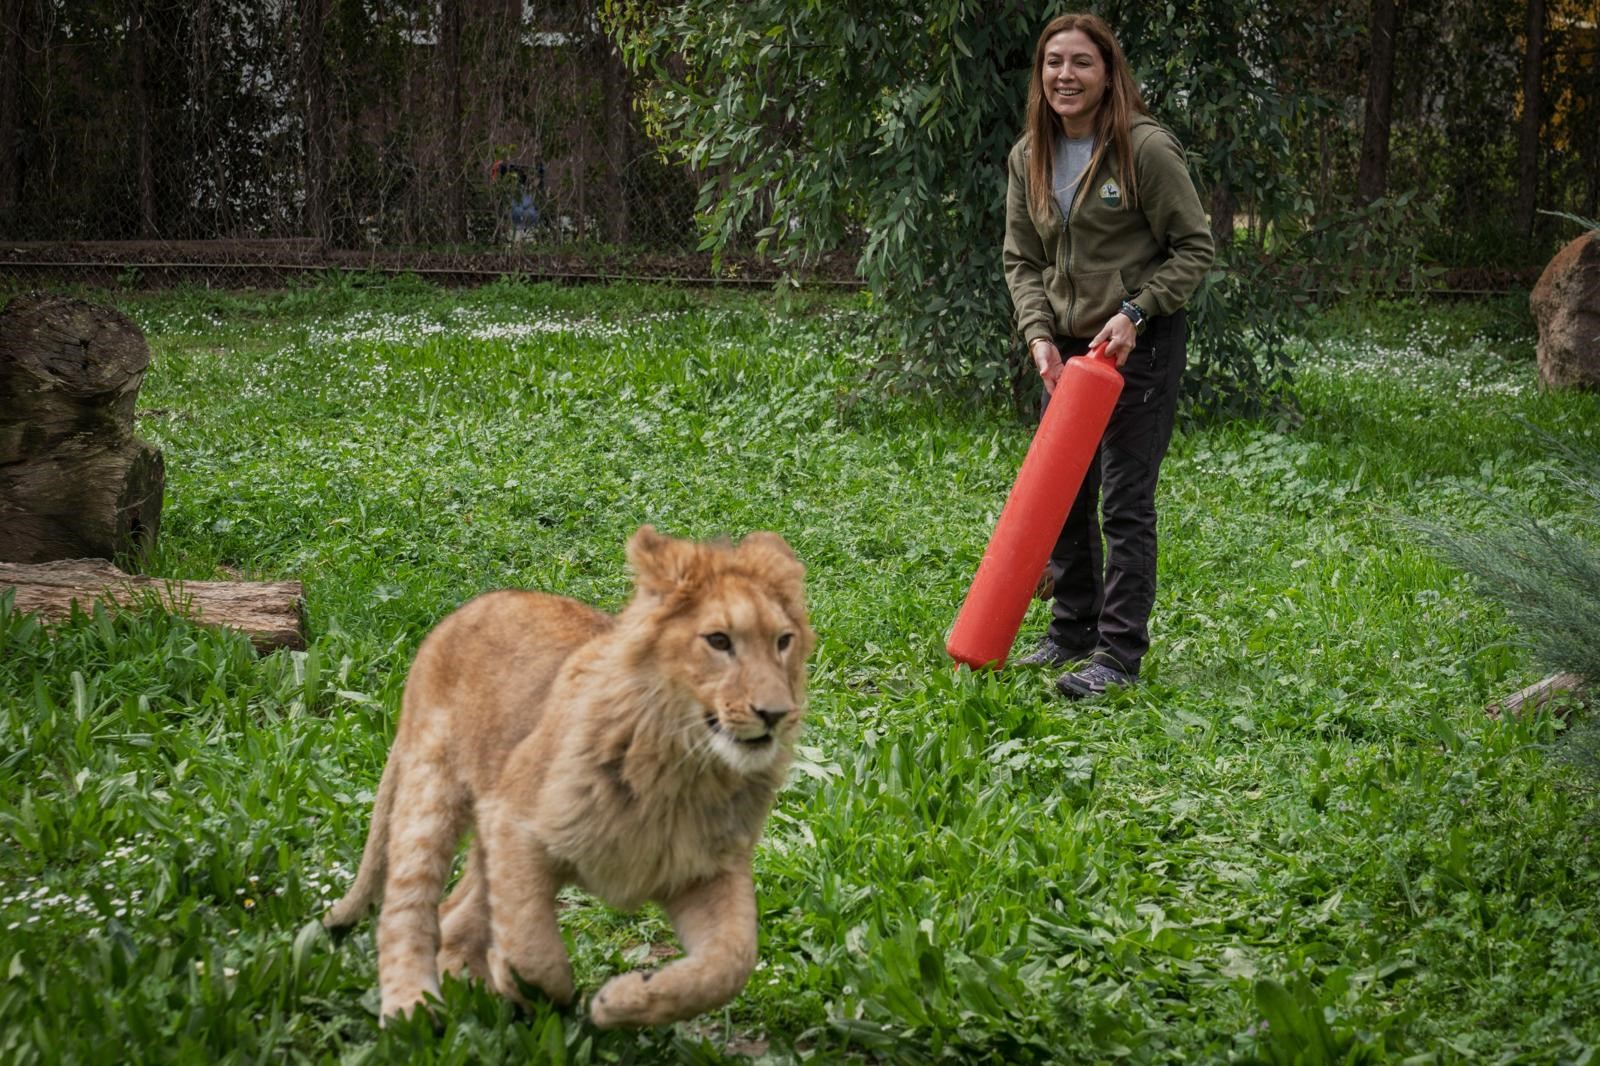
[(1566, 308)]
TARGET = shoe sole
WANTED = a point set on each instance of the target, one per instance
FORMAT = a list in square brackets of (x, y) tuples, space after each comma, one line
[(1074, 692)]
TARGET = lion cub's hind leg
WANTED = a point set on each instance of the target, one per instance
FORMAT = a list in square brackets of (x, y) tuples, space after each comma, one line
[(425, 823), (464, 923), (716, 924)]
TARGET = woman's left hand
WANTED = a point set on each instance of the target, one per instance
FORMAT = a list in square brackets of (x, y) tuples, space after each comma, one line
[(1120, 337)]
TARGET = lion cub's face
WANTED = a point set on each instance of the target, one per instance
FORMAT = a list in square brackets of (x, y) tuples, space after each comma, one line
[(734, 636)]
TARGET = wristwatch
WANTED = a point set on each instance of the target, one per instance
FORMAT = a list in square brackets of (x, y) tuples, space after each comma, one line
[(1135, 315)]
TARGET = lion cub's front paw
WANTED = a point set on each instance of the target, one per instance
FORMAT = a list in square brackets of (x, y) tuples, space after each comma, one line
[(626, 1000), (398, 1007), (554, 981)]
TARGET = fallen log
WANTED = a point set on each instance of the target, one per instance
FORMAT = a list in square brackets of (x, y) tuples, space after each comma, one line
[(270, 613), (1535, 695)]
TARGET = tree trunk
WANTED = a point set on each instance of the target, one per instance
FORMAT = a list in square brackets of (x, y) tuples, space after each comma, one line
[(314, 85), (144, 116), (268, 612), (455, 215), (578, 174), (207, 138), (74, 480), (1222, 214), (1528, 131), (1373, 177), (618, 144), (13, 28), (1591, 201)]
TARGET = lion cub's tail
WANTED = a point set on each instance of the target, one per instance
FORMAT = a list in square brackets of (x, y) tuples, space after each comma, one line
[(374, 859)]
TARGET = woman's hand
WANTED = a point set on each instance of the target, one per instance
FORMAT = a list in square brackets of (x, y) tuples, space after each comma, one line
[(1047, 359), (1120, 336)]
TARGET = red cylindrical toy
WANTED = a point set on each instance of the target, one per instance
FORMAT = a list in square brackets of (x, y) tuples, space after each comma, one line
[(1051, 474)]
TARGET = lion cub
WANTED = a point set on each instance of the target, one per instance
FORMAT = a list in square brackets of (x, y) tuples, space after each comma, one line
[(636, 756)]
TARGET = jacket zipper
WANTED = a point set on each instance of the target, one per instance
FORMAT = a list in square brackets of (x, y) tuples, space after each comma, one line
[(1063, 257)]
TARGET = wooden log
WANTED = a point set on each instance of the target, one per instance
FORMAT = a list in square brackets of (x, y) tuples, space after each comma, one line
[(270, 613), (74, 480), (1535, 695)]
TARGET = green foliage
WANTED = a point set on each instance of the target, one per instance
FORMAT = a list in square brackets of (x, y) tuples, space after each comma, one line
[(1547, 578), (1295, 1030), (880, 127), (1219, 75), (888, 124), (1587, 223), (1302, 794), (1500, 325), (1453, 131)]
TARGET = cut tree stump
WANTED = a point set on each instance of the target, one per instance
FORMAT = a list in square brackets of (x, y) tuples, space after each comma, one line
[(268, 612), (74, 480), (1535, 695)]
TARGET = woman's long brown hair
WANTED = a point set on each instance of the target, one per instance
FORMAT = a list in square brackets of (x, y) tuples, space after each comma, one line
[(1112, 122)]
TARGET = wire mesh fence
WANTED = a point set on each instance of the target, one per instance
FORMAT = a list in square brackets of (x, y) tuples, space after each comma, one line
[(248, 142), (251, 142)]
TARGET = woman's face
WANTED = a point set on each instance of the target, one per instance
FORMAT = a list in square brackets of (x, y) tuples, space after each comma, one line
[(1074, 80)]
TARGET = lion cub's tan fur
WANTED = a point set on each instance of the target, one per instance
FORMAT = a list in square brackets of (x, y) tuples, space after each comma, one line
[(635, 755)]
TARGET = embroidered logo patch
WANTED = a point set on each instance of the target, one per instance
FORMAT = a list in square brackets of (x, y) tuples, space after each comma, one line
[(1111, 193)]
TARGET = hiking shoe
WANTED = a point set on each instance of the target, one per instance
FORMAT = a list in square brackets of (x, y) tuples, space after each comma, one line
[(1049, 653), (1092, 680)]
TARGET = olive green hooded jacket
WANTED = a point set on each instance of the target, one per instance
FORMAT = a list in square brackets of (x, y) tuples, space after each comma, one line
[(1068, 278)]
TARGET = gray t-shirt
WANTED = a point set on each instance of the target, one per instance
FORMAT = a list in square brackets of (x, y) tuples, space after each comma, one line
[(1072, 158)]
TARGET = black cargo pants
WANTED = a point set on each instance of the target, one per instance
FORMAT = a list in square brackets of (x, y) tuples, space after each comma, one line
[(1102, 597)]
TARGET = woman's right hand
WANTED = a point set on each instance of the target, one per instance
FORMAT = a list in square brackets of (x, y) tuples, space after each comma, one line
[(1047, 359)]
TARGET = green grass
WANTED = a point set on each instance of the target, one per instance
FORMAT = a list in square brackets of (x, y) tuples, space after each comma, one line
[(1300, 835)]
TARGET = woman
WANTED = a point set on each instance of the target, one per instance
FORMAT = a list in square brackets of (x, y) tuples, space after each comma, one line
[(1105, 241)]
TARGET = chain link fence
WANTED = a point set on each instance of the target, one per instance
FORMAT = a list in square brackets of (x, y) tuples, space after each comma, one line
[(153, 140), (223, 141)]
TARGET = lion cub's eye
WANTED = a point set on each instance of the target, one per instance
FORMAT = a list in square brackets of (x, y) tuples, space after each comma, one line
[(784, 641), (720, 641)]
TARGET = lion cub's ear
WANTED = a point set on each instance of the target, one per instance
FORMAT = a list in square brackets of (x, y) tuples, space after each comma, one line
[(662, 565), (773, 554), (770, 556)]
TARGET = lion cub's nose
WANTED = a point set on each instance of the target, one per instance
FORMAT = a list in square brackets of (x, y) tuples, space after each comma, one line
[(772, 715)]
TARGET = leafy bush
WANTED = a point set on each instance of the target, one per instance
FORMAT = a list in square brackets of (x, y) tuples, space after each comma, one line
[(1546, 578)]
